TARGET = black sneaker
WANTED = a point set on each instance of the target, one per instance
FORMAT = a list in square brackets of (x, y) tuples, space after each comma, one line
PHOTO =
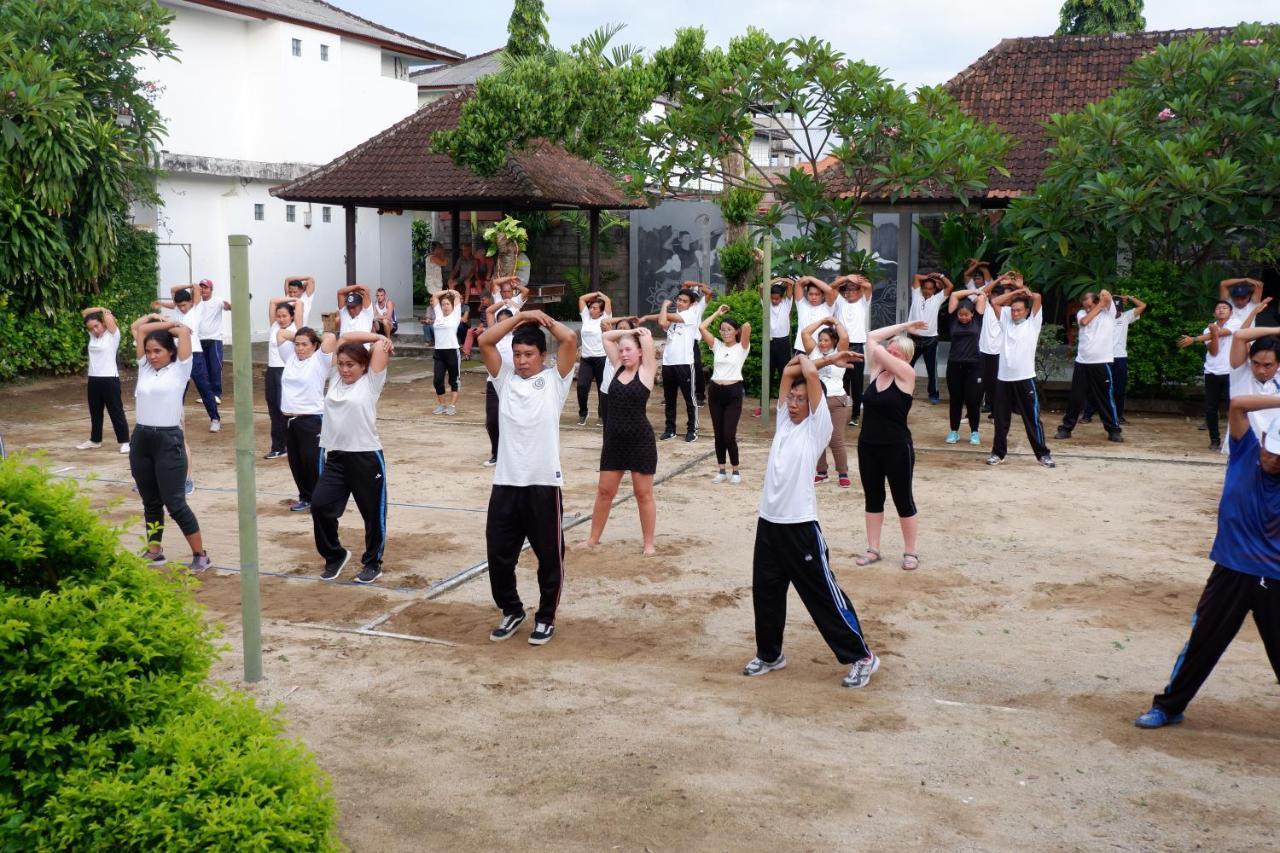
[(1204, 425), (1116, 437), (491, 461), (276, 454), (1062, 432), (690, 436), (1215, 445), (333, 568), (582, 420), (542, 633), (667, 436), (508, 626), (369, 574), (1123, 420), (1087, 419)]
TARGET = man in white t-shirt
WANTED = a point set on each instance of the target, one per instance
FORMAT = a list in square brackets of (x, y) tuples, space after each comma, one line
[(853, 309), (1253, 357), (210, 332), (1018, 311), (1125, 317), (1091, 380), (1244, 295), (355, 309), (778, 303), (190, 311), (526, 502), (1217, 365), (303, 289), (681, 328), (790, 548), (928, 293)]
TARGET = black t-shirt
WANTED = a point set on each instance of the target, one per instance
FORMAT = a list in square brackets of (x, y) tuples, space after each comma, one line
[(964, 339)]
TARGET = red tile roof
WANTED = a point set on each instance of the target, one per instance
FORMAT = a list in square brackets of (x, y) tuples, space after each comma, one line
[(398, 169)]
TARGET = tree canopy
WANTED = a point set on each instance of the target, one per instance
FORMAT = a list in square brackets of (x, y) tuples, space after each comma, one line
[(1101, 17), (527, 30), (78, 136)]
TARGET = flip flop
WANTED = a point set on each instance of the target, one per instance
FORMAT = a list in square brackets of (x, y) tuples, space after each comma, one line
[(863, 561), (910, 562)]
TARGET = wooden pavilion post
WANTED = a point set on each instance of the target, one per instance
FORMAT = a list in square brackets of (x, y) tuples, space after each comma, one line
[(455, 237), (595, 250), (349, 215)]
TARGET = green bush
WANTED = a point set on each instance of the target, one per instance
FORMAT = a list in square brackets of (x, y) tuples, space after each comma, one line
[(1173, 309), (738, 204), (109, 733), (736, 261), (745, 307)]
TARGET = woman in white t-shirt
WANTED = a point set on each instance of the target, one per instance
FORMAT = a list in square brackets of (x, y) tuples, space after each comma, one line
[(280, 313), (353, 464), (594, 308), (104, 378), (308, 361), (825, 339), (157, 451), (447, 307), (726, 391)]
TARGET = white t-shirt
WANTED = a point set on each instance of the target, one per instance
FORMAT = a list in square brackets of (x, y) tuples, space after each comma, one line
[(192, 320), (853, 316), (1096, 341), (1018, 351), (1242, 314), (158, 395), (991, 338), (832, 375), (445, 327), (302, 310), (529, 427), (302, 383), (806, 315), (590, 338), (1220, 364), (278, 352), (1120, 342), (1243, 383), (210, 325), (788, 497), (680, 336), (927, 310), (728, 361), (504, 352), (780, 318), (350, 419), (362, 322), (102, 353)]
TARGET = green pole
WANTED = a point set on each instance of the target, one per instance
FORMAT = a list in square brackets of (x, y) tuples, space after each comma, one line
[(764, 350), (246, 486)]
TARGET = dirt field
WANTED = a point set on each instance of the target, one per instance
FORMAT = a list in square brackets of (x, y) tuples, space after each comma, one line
[(1049, 606)]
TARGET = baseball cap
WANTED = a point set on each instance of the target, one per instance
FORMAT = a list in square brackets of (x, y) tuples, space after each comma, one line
[(1271, 436), (354, 299), (205, 281), (1241, 290)]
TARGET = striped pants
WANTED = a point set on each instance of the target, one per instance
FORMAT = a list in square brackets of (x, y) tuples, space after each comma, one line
[(787, 554), (343, 474)]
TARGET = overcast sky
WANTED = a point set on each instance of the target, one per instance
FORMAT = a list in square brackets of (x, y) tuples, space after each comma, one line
[(919, 42)]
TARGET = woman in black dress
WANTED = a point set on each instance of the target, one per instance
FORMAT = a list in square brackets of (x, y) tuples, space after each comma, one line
[(629, 443)]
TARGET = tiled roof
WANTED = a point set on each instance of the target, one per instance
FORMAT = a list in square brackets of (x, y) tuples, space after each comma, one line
[(464, 73), (398, 169), (325, 16), (1020, 82)]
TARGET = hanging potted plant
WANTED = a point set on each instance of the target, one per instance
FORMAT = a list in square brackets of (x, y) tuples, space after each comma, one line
[(506, 240)]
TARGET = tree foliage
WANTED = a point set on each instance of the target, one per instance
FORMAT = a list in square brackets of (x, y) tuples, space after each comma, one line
[(1181, 165), (527, 30), (1101, 17), (68, 168)]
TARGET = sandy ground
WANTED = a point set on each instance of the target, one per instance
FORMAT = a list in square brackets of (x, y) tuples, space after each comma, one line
[(1048, 608)]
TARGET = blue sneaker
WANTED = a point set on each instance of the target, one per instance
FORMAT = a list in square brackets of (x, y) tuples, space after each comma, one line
[(953, 437), (299, 506), (1156, 718), (974, 438)]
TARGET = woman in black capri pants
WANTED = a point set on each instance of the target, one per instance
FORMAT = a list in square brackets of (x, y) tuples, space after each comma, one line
[(885, 451)]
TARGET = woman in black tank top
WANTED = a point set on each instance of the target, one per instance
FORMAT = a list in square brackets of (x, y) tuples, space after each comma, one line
[(964, 370), (885, 452)]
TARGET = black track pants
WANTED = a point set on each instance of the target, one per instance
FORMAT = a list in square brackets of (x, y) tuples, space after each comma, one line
[(590, 369), (1227, 598), (1119, 386), (491, 418), (787, 554), (517, 513), (780, 353), (927, 348), (272, 385), (853, 382), (678, 379), (1217, 392), (1091, 383), (302, 443), (342, 475), (990, 371), (1024, 396), (158, 462), (104, 393)]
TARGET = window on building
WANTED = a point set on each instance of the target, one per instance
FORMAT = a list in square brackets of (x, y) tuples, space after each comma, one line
[(290, 213), (324, 53), (258, 212), (297, 47), (326, 214)]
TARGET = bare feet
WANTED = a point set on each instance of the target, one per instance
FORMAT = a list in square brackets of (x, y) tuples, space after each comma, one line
[(649, 550), (590, 543)]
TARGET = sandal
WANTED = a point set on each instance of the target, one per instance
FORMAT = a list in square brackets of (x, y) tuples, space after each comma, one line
[(910, 562), (866, 560)]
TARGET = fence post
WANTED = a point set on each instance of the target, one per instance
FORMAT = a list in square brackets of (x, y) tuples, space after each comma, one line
[(765, 339)]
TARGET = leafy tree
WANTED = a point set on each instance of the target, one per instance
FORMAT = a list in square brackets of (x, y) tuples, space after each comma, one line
[(527, 30), (78, 135), (1101, 17), (1182, 165)]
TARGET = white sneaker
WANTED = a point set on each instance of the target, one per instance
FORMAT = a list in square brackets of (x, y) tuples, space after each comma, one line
[(735, 478), (217, 399), (720, 478), (215, 426), (88, 445), (451, 410), (438, 410), (124, 448)]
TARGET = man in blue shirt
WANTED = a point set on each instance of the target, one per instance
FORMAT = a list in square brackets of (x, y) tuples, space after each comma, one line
[(1246, 556)]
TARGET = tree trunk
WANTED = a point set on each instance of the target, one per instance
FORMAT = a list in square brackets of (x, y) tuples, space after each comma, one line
[(508, 252), (734, 166)]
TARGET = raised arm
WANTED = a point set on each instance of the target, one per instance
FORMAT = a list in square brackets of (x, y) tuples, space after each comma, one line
[(194, 288), (276, 302), (1138, 305), (828, 291), (1240, 341), (108, 319), (979, 295), (379, 353), (664, 318), (947, 286), (148, 323), (801, 366), (308, 283), (1102, 303), (704, 327), (489, 338), (875, 336), (808, 333), (1238, 415), (648, 357)]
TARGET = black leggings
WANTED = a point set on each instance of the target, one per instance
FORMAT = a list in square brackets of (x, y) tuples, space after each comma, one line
[(590, 369), (964, 387), (446, 362), (853, 381), (725, 402), (104, 393), (491, 417), (274, 375), (892, 462), (158, 462), (302, 443), (990, 367)]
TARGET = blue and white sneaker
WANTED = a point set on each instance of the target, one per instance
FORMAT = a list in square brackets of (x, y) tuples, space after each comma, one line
[(953, 437), (974, 438), (860, 672), (1157, 718), (756, 666)]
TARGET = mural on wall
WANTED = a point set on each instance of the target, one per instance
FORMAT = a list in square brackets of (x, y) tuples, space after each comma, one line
[(673, 243), (884, 293)]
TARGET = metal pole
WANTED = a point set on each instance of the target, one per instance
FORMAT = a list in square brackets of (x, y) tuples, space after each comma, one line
[(595, 249), (767, 246), (246, 487)]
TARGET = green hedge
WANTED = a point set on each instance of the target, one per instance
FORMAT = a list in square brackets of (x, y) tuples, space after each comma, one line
[(1173, 309), (33, 344), (109, 733)]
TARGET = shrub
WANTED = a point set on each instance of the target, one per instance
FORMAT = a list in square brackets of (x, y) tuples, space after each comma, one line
[(745, 307), (736, 261), (1173, 310), (109, 734)]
